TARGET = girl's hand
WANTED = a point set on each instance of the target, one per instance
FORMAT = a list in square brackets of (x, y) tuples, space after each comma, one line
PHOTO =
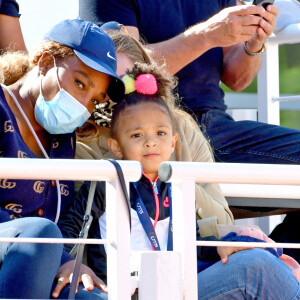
[(224, 252), (86, 276)]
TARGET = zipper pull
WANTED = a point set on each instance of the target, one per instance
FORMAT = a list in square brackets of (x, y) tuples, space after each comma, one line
[(155, 188)]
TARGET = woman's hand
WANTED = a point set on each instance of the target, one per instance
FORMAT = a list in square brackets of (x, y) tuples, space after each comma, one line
[(224, 252), (86, 276)]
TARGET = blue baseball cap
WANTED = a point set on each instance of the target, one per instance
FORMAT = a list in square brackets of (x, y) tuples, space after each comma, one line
[(93, 47)]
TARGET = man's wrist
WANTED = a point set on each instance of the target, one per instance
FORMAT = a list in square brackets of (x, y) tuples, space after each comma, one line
[(250, 53)]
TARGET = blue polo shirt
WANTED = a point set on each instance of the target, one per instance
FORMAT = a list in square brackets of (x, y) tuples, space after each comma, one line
[(22, 198), (157, 20)]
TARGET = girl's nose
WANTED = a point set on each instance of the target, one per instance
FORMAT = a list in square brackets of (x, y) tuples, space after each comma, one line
[(150, 143)]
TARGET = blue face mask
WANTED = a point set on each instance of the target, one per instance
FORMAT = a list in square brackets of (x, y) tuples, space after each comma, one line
[(62, 114)]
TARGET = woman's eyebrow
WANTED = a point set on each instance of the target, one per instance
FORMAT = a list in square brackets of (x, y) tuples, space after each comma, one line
[(91, 83)]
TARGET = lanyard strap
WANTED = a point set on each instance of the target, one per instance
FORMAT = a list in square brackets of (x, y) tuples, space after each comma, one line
[(147, 224), (170, 235), (58, 207)]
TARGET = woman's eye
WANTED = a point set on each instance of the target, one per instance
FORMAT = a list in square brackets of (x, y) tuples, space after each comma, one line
[(161, 133), (79, 84), (96, 102)]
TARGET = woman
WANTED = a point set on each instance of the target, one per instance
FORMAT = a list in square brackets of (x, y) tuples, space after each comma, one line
[(44, 97)]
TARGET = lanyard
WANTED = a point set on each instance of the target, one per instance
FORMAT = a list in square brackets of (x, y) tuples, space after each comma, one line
[(147, 224)]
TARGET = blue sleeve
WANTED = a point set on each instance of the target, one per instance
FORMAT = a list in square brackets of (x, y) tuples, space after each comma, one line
[(98, 11), (4, 216), (65, 257), (9, 8)]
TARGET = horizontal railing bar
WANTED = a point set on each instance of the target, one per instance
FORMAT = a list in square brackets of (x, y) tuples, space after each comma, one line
[(54, 241), (247, 244), (260, 191), (263, 202), (287, 98), (230, 173), (66, 169)]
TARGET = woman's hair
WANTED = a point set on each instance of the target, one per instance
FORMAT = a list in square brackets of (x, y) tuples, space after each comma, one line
[(134, 49), (14, 65)]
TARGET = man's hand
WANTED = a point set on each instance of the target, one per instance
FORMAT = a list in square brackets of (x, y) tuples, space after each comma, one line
[(224, 252), (86, 276), (234, 25), (266, 26)]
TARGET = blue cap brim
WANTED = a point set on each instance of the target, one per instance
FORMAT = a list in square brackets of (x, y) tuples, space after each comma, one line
[(116, 89)]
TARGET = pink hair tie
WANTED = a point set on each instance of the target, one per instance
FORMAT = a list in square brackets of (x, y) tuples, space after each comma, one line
[(146, 84)]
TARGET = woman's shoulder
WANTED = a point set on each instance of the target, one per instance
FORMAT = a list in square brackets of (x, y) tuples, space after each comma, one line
[(192, 143), (96, 148)]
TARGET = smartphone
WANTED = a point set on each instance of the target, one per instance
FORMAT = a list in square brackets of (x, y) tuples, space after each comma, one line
[(263, 3)]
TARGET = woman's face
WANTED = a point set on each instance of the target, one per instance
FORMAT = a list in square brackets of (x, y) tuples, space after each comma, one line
[(123, 63), (85, 84)]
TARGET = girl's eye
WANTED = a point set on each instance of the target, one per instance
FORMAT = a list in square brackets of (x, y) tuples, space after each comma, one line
[(79, 83), (136, 135), (161, 133)]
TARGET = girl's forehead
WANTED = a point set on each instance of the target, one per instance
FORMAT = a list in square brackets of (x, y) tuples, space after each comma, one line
[(144, 108), (145, 112)]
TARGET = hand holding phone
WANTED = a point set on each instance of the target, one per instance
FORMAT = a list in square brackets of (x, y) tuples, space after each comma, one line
[(263, 3)]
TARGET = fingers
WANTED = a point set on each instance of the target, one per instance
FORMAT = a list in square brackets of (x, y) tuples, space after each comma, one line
[(222, 251), (100, 284), (224, 260), (61, 283), (87, 281)]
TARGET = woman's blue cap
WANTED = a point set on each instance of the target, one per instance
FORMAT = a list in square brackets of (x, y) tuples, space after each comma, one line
[(93, 47)]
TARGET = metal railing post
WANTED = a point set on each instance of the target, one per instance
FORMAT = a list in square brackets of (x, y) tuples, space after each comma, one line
[(118, 251), (268, 86)]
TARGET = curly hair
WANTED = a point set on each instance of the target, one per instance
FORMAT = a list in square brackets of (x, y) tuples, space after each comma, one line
[(14, 65)]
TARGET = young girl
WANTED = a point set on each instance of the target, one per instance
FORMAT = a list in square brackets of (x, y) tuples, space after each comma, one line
[(211, 206), (143, 128)]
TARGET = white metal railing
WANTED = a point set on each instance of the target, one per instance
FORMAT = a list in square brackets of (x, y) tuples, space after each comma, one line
[(118, 233), (268, 111), (183, 176), (268, 76)]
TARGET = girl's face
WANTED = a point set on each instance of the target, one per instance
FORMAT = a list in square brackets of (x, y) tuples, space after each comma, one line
[(144, 133), (85, 84)]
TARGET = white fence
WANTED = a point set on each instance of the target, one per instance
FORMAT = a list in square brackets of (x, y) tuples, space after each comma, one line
[(118, 233), (265, 107), (183, 176)]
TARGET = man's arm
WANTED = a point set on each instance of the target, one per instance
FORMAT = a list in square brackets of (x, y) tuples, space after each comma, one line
[(10, 34), (239, 68), (229, 27)]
